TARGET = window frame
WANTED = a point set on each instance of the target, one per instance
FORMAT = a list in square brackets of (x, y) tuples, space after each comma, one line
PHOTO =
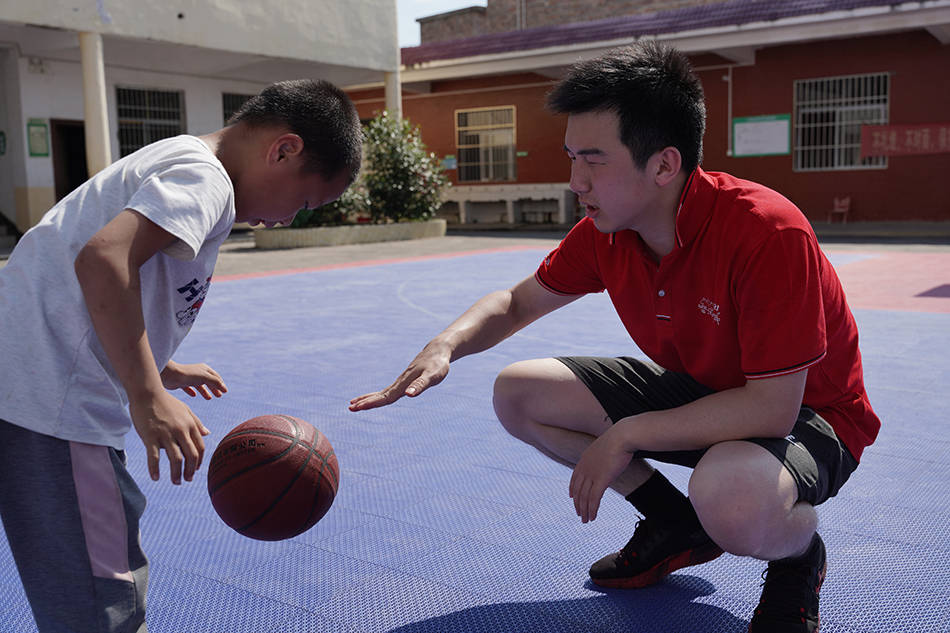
[(489, 169), (148, 128), (228, 100), (833, 142)]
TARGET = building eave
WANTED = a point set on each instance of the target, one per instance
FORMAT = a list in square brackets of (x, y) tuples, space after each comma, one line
[(737, 43)]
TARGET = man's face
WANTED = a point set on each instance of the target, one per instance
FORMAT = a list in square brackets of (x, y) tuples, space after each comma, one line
[(613, 191)]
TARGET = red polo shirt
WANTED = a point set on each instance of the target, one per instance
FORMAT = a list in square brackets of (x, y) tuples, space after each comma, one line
[(745, 294)]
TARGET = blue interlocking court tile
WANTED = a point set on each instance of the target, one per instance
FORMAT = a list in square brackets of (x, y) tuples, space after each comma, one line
[(445, 524)]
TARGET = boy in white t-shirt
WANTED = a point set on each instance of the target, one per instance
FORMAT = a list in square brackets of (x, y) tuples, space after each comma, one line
[(94, 301)]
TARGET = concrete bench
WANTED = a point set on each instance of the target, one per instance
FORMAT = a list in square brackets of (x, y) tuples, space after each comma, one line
[(509, 194)]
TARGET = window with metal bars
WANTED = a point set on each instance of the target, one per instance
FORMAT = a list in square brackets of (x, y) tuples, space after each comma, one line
[(486, 144), (829, 113), (146, 116), (231, 103)]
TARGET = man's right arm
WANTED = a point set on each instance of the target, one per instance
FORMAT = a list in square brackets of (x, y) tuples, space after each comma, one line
[(492, 319)]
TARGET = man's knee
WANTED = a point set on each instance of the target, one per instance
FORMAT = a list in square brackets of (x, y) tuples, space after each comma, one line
[(740, 494), (510, 395), (543, 392)]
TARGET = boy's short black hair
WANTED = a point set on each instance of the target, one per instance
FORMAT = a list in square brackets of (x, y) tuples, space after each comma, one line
[(319, 113), (652, 89)]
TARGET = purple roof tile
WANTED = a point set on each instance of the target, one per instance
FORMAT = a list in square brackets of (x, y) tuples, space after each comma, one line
[(727, 13)]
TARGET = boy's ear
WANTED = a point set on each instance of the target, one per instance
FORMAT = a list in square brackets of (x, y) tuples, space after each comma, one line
[(284, 147)]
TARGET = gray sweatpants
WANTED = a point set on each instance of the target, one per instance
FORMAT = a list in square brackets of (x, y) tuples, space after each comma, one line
[(71, 515)]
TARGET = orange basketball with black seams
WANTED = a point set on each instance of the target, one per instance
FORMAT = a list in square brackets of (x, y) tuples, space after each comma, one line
[(273, 477)]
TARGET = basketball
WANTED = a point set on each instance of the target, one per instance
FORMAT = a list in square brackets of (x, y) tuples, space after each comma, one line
[(273, 477)]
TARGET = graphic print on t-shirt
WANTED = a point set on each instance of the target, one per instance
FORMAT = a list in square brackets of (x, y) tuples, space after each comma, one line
[(195, 293)]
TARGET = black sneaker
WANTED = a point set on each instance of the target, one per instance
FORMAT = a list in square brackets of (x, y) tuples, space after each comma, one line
[(653, 552), (789, 602)]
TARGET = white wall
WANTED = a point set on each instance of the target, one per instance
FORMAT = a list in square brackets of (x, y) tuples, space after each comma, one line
[(203, 111), (200, 47), (56, 93), (359, 33), (53, 93)]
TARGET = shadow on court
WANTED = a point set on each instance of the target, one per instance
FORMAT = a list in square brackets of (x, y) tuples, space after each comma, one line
[(668, 608)]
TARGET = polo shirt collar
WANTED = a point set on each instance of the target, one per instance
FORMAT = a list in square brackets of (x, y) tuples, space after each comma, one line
[(697, 200)]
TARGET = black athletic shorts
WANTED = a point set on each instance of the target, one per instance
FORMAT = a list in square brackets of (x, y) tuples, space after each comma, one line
[(812, 453)]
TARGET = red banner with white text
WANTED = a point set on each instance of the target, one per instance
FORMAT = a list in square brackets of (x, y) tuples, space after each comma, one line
[(902, 140)]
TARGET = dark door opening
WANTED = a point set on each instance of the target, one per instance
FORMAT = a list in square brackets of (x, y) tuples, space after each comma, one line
[(68, 140)]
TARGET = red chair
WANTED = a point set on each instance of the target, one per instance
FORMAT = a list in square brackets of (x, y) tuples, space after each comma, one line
[(840, 208)]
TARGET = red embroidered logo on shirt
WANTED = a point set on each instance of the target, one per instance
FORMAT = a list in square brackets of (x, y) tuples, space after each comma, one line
[(710, 309)]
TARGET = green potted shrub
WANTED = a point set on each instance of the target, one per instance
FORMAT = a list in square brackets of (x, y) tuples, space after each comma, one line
[(403, 180)]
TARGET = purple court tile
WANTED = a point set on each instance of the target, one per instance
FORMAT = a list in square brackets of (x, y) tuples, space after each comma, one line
[(445, 523)]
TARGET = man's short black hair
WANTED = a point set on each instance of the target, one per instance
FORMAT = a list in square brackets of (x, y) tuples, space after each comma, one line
[(319, 113), (652, 89)]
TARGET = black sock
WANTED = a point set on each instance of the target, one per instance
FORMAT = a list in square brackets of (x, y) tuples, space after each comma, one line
[(657, 499), (809, 553)]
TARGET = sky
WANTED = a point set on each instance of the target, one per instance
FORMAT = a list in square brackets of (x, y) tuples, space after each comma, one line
[(409, 10)]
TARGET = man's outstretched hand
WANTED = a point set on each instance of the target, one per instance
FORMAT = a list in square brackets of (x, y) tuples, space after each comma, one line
[(427, 369)]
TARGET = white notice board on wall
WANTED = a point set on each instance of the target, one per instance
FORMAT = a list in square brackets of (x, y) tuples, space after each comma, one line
[(766, 135)]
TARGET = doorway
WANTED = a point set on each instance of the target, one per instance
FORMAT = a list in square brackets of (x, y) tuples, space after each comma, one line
[(68, 141)]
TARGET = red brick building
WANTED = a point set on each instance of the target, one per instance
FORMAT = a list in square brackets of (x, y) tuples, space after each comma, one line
[(791, 88)]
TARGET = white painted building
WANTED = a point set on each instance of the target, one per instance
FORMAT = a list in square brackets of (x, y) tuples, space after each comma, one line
[(82, 82)]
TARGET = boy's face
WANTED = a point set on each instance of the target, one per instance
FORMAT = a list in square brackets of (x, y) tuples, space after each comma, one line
[(614, 192), (279, 197)]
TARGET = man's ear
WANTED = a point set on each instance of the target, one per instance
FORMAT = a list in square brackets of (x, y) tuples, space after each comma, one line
[(667, 165), (284, 147)]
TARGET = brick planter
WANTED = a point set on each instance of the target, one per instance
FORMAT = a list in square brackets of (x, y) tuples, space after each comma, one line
[(349, 234)]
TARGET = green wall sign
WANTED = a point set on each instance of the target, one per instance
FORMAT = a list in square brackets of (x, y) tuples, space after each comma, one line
[(766, 135), (37, 134)]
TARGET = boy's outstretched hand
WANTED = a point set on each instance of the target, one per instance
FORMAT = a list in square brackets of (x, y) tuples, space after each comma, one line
[(193, 379), (165, 422)]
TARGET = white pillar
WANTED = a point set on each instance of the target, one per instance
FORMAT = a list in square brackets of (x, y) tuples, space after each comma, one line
[(98, 148), (393, 80), (394, 94)]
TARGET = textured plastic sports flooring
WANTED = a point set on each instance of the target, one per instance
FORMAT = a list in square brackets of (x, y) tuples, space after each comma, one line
[(443, 523)]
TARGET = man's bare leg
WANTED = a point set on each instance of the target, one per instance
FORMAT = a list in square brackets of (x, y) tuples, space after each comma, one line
[(542, 403)]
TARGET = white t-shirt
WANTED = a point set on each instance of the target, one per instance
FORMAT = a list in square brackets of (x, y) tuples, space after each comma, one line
[(55, 378)]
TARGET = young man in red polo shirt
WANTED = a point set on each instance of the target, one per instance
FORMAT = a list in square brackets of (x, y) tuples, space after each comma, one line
[(755, 378)]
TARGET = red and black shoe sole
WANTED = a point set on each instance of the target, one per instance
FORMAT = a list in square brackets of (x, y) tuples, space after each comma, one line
[(662, 569)]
